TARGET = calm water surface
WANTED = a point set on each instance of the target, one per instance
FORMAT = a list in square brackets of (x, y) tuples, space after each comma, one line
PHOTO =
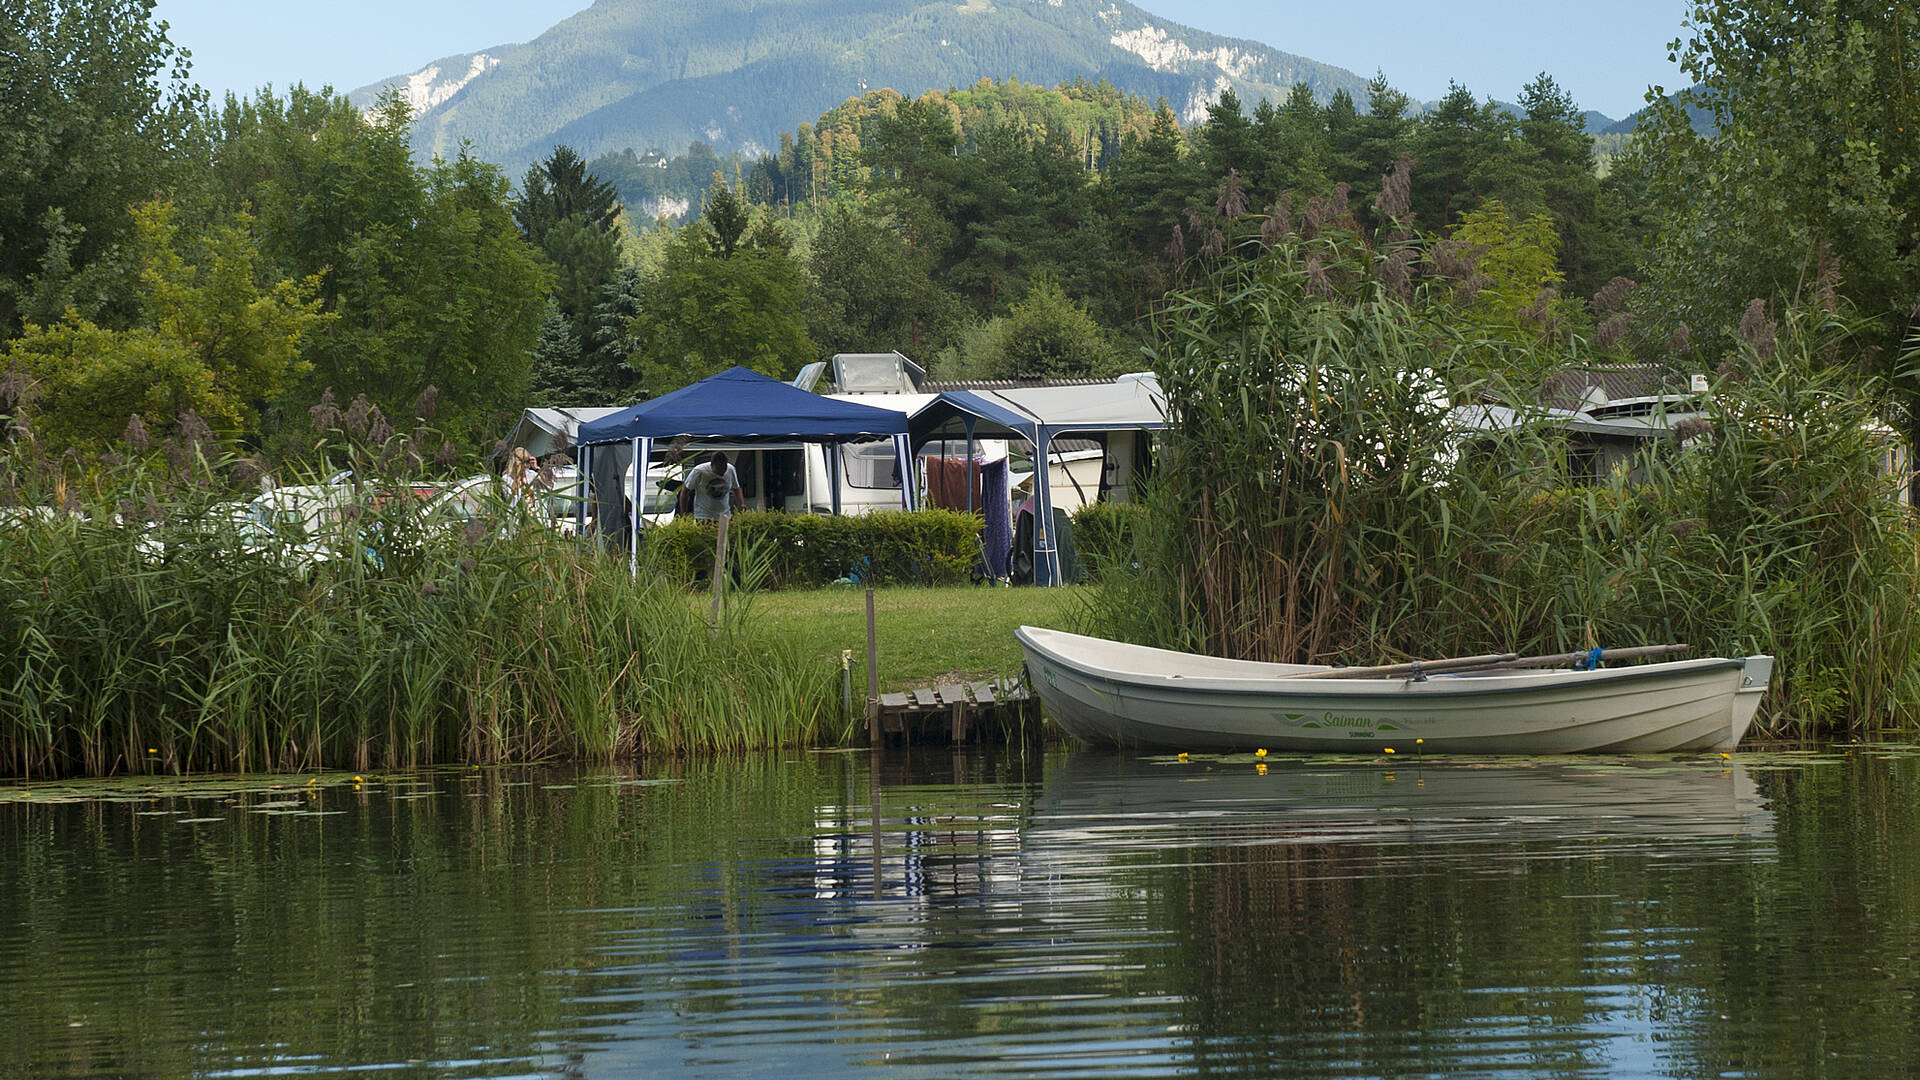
[(958, 916)]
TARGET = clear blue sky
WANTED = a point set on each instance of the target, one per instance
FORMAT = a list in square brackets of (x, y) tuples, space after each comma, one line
[(1605, 54)]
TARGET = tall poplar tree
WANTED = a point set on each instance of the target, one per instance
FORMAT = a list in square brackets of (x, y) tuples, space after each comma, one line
[(1811, 184), (426, 278), (1809, 192), (95, 104)]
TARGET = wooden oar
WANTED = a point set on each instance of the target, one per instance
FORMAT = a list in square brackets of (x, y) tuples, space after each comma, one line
[(1418, 668), (1415, 668), (1633, 652)]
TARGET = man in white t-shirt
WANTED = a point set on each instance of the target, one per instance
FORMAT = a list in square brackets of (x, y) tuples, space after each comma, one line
[(716, 489)]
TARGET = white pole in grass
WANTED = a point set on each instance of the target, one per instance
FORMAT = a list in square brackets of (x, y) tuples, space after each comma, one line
[(720, 563)]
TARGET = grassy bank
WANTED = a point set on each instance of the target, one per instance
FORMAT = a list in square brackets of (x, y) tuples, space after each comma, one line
[(921, 633), (387, 632), (153, 620)]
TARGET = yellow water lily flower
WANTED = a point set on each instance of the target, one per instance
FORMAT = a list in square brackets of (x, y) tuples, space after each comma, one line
[(1262, 752)]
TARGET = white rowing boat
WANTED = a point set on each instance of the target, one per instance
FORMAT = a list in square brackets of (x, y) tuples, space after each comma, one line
[(1108, 693)]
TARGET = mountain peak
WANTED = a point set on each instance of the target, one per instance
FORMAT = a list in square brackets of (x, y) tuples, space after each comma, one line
[(734, 74)]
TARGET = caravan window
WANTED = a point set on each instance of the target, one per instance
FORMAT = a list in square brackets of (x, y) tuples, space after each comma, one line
[(871, 464)]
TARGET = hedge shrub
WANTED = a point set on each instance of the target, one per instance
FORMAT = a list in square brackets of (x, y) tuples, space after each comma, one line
[(1104, 534), (922, 547)]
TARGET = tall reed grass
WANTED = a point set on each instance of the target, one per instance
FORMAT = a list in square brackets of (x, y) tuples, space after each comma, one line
[(145, 626), (1318, 502)]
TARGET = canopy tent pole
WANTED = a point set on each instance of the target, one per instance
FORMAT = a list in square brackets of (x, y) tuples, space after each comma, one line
[(903, 455), (583, 469), (967, 472), (642, 449), (833, 475), (1046, 571)]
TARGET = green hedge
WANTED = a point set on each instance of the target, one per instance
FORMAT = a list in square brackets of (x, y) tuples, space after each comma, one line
[(1103, 532), (922, 547)]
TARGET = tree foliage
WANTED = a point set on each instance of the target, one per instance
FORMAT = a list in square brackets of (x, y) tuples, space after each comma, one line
[(212, 337), (873, 291), (1810, 187), (985, 189), (1514, 290), (1046, 335), (96, 110), (703, 309), (559, 188), (423, 271)]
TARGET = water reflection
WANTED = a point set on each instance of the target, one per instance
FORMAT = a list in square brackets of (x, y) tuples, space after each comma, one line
[(818, 914), (1096, 802)]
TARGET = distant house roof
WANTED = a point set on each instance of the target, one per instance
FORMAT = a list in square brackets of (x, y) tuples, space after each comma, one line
[(1637, 419), (1010, 384)]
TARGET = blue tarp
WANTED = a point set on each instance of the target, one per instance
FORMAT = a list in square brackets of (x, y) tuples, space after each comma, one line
[(738, 405)]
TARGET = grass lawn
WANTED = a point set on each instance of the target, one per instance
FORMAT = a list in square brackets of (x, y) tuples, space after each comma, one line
[(921, 633)]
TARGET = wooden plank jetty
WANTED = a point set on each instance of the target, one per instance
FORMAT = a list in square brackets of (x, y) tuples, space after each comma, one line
[(959, 713)]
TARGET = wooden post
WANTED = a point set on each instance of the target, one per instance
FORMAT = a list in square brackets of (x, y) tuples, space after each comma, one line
[(720, 569), (873, 679)]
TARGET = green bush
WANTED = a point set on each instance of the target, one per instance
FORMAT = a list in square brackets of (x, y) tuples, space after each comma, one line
[(1104, 533), (922, 547)]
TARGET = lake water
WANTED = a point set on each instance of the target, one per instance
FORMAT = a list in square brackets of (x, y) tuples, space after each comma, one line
[(937, 915)]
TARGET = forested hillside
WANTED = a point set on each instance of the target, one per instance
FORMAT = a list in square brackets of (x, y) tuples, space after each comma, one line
[(660, 74), (981, 200)]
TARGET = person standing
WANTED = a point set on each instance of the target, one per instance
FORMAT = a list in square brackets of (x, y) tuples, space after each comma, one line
[(716, 489)]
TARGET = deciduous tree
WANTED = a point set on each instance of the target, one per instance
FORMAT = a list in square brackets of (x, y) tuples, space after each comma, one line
[(702, 313), (1811, 187), (427, 278), (95, 105), (214, 335)]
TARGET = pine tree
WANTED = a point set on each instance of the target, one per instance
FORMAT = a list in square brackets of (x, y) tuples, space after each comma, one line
[(726, 215)]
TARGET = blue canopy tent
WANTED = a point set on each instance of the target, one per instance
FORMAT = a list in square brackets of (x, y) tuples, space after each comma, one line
[(1038, 414), (738, 405)]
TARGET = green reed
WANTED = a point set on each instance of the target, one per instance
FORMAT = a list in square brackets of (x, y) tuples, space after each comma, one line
[(144, 628), (1318, 502)]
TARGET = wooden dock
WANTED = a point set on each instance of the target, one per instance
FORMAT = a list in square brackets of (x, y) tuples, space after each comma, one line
[(999, 710)]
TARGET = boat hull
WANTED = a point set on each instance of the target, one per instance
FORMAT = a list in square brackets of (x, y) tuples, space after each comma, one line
[(1108, 693)]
